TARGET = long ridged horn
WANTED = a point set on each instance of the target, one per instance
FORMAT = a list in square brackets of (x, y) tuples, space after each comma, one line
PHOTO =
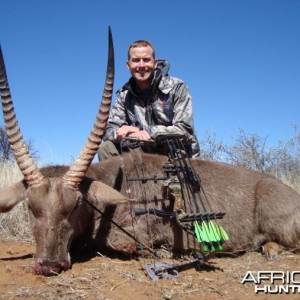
[(24, 160), (78, 169)]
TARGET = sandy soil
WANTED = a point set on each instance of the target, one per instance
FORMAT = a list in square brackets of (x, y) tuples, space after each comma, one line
[(102, 277)]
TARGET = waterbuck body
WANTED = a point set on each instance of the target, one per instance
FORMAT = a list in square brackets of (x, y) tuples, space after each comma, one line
[(258, 207), (62, 200)]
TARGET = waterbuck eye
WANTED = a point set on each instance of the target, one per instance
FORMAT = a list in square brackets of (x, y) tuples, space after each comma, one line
[(78, 204), (78, 201), (31, 210)]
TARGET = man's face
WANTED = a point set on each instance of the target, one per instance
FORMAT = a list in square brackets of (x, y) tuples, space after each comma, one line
[(142, 65)]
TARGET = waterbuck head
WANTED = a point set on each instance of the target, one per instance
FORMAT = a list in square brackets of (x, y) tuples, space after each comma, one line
[(56, 202)]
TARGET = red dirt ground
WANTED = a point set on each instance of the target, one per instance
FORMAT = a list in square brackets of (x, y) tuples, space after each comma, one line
[(105, 278)]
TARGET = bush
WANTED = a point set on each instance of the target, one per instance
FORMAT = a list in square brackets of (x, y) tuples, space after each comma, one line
[(250, 150)]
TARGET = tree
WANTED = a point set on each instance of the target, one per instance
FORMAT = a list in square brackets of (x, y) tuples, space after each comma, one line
[(250, 152), (210, 148), (6, 153), (288, 158)]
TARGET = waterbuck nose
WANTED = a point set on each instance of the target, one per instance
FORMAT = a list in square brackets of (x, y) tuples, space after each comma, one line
[(49, 268)]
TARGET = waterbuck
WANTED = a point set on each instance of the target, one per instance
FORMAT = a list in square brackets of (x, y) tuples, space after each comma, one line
[(55, 201), (80, 204)]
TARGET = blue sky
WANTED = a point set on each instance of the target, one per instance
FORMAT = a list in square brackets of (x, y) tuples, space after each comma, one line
[(239, 58)]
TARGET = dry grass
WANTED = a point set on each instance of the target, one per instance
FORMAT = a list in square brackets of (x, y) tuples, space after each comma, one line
[(102, 278), (14, 224), (9, 173), (295, 185)]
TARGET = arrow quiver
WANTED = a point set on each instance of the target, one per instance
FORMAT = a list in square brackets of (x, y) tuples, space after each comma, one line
[(171, 190)]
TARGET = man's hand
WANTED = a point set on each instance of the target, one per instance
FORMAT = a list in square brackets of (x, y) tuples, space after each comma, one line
[(124, 131), (141, 135)]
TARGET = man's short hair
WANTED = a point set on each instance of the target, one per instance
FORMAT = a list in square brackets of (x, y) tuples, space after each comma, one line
[(141, 43)]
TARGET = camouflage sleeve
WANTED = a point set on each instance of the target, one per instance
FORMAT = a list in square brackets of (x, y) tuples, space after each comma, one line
[(183, 123), (117, 118)]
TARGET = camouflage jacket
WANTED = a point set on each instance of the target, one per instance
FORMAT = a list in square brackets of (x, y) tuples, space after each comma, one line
[(165, 109)]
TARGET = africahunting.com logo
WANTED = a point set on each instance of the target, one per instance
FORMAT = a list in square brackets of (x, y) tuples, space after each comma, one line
[(273, 282)]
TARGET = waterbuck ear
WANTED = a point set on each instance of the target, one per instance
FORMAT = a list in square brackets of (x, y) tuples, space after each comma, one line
[(106, 194), (12, 195)]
